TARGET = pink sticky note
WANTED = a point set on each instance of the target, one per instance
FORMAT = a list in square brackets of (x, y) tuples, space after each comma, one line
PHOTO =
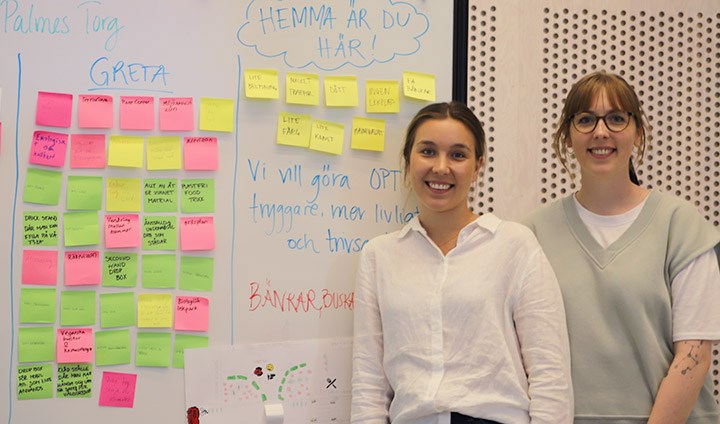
[(82, 267), (95, 111), (191, 313), (200, 154), (177, 114), (122, 230), (87, 151), (197, 233), (75, 345), (117, 389), (40, 267), (137, 113), (48, 148), (53, 109)]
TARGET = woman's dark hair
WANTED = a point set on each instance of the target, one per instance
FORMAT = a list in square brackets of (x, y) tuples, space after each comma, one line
[(445, 110)]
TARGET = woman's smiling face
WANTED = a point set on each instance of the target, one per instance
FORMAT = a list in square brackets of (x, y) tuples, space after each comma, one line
[(442, 165), (603, 152)]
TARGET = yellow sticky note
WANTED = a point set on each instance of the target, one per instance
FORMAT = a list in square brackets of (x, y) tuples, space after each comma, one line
[(217, 114), (262, 84), (294, 129), (419, 86), (123, 195), (164, 153), (341, 91), (155, 310), (368, 134), (302, 89), (327, 137), (126, 151), (382, 97)]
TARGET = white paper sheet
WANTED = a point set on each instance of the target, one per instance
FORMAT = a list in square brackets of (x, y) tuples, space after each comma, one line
[(296, 382)]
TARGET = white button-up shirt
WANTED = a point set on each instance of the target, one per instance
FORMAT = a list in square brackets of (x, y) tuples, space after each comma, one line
[(480, 331)]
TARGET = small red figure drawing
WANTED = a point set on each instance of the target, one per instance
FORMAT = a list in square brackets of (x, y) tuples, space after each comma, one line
[(193, 415), (258, 371)]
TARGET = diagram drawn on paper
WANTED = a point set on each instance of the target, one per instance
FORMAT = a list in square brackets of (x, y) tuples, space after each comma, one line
[(310, 379)]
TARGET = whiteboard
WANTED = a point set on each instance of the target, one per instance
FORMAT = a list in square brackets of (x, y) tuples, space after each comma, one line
[(288, 221)]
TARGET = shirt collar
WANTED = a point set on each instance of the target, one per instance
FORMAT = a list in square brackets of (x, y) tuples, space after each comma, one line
[(487, 221)]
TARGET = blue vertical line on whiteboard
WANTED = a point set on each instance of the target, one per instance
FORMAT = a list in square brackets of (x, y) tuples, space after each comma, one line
[(232, 238), (12, 240)]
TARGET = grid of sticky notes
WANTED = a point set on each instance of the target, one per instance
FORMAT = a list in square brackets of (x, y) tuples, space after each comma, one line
[(339, 91), (92, 238)]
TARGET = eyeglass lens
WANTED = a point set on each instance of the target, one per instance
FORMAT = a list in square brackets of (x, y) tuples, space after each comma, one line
[(586, 122)]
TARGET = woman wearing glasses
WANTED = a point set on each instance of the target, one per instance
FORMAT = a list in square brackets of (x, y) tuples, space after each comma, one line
[(637, 270)]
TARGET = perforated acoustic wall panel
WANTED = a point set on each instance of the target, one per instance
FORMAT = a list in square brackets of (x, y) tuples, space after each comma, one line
[(481, 97), (523, 58)]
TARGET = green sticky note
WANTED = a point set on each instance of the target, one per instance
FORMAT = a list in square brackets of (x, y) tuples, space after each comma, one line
[(117, 310), (161, 195), (40, 229), (84, 193), (160, 233), (35, 381), (196, 273), (81, 228), (153, 349), (42, 186), (37, 305), (186, 341), (112, 347), (120, 269), (77, 307), (198, 196), (159, 271), (36, 344), (74, 380)]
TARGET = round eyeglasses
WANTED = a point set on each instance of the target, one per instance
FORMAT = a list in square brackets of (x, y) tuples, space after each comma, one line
[(586, 122)]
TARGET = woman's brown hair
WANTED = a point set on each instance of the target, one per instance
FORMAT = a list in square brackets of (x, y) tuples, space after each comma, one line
[(580, 98)]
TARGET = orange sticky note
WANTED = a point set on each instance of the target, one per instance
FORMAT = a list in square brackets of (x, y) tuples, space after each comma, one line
[(95, 111), (177, 114), (200, 154), (82, 267), (191, 313), (53, 109), (40, 267), (48, 148), (197, 233), (75, 345), (137, 113), (122, 230), (87, 151)]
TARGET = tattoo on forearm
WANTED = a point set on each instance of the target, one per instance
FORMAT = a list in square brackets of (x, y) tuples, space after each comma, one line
[(692, 360)]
